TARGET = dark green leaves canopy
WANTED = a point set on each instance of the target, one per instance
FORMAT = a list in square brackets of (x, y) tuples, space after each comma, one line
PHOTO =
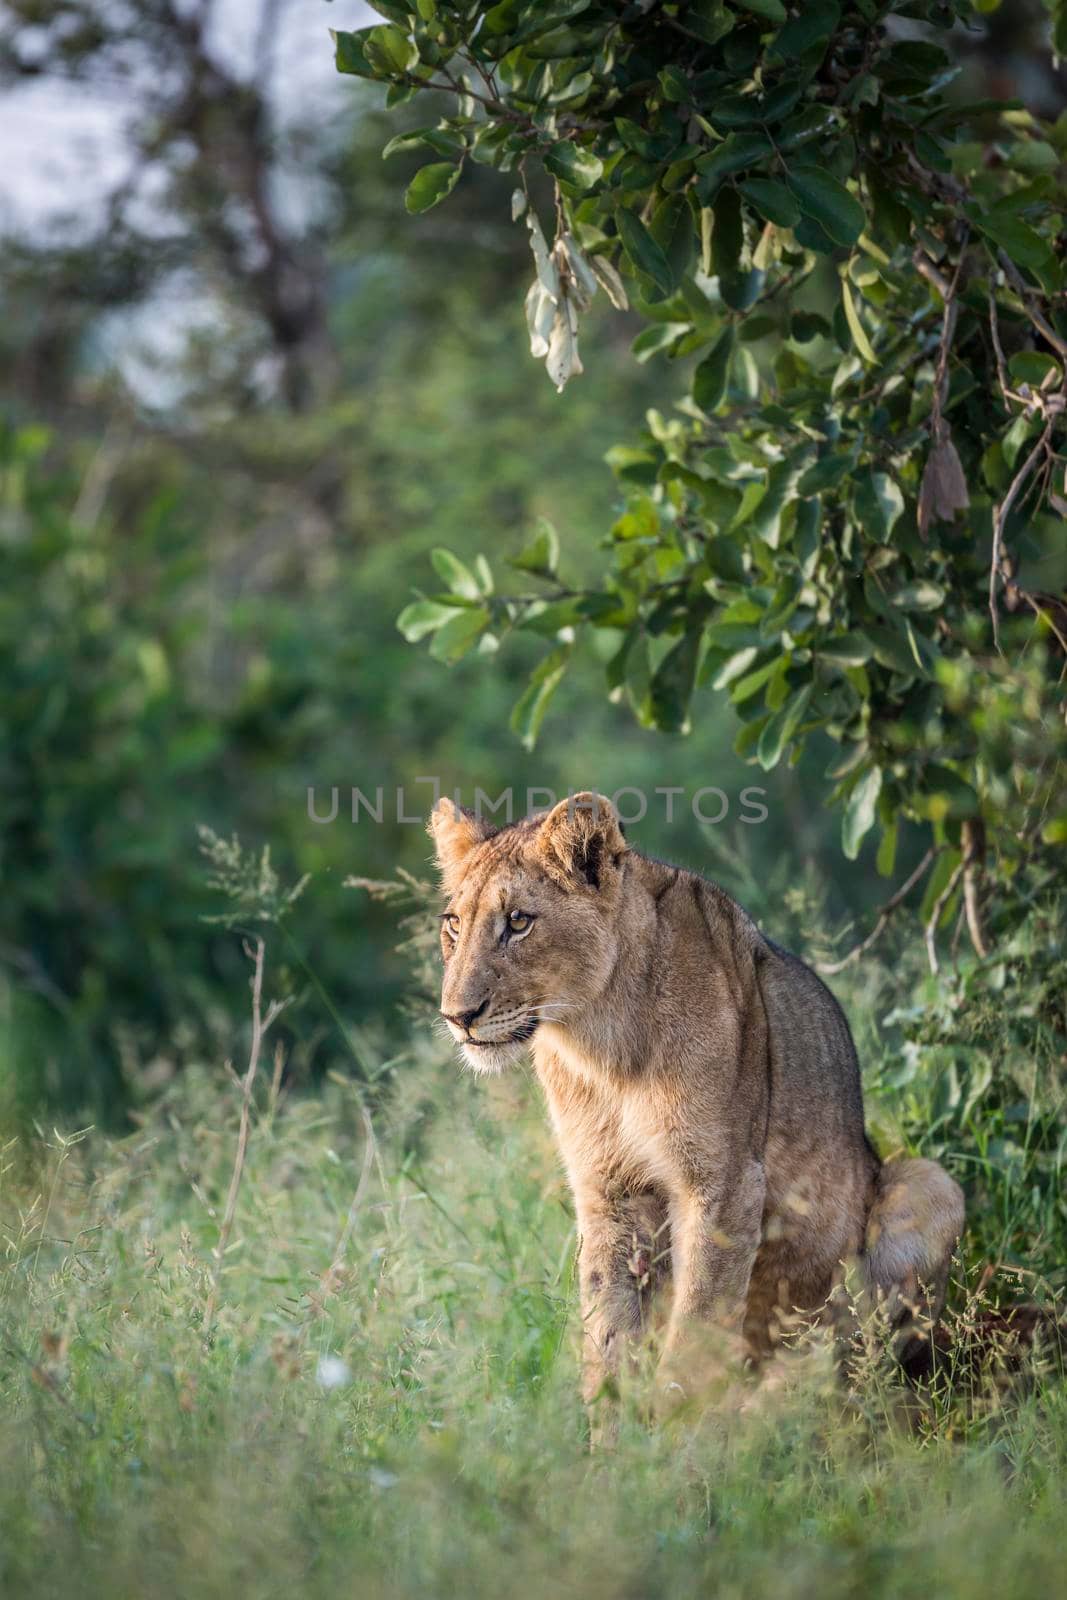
[(852, 524)]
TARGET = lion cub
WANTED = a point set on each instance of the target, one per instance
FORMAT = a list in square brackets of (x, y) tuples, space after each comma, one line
[(702, 1084)]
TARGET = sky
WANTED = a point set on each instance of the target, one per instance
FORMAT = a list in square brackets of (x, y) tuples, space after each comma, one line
[(62, 149)]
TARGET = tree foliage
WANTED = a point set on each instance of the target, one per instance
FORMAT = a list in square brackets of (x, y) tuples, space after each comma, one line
[(852, 523)]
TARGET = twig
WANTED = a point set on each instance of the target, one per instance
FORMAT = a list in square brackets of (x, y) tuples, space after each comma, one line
[(994, 328), (831, 968), (261, 1024), (1000, 519), (948, 328), (1050, 406), (935, 916), (926, 269), (1039, 610), (973, 840), (943, 489), (276, 1078), (1023, 290)]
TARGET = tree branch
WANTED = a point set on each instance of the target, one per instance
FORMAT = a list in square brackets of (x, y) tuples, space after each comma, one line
[(830, 968), (261, 1024), (935, 916)]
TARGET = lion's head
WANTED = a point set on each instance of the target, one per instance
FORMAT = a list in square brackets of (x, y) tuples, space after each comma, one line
[(529, 933)]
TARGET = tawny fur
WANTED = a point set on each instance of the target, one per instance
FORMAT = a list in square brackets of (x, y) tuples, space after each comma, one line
[(702, 1084)]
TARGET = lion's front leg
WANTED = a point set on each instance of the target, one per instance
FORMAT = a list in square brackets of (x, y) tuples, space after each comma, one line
[(621, 1245), (716, 1230)]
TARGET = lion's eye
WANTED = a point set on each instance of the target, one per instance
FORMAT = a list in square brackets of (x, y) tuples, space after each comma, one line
[(451, 925), (519, 921)]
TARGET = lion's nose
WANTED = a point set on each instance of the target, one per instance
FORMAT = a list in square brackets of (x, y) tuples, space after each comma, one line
[(463, 1019)]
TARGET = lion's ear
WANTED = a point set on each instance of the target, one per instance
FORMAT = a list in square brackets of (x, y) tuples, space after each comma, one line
[(456, 832), (581, 841)]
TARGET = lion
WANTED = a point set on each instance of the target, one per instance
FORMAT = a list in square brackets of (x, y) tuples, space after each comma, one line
[(702, 1084)]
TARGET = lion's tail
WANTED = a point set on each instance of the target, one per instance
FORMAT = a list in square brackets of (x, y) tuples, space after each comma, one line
[(913, 1228)]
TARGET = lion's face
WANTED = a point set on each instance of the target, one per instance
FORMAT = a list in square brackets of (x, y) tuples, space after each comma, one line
[(528, 935)]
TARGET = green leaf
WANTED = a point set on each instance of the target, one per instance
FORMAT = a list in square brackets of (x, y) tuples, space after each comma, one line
[(733, 636), (771, 10), (430, 185), (453, 572), (878, 503), (650, 147), (752, 496), (572, 164), (748, 685), (672, 684), (855, 326), (757, 327), (659, 336), (1055, 830), (390, 50), (439, 139), (529, 710), (675, 84), (643, 251), (549, 616), (541, 555), (945, 794), (826, 473), (813, 24), (1032, 367), (778, 732), (923, 595), (807, 325), (1025, 246), (736, 152), (887, 850), (709, 20), (727, 235), (422, 617), (772, 200), (782, 481), (396, 11), (710, 377), (455, 638), (828, 203), (351, 53), (892, 650), (860, 812), (848, 649)]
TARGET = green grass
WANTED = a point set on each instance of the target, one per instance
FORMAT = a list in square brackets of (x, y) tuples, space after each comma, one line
[(449, 1457)]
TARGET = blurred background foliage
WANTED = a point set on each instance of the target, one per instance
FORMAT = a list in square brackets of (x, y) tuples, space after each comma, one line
[(244, 395), (209, 524)]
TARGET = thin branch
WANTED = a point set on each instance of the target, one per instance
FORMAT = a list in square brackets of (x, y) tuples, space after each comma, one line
[(831, 968), (935, 916), (276, 1078), (948, 328), (1039, 610), (973, 839), (1000, 519), (261, 1024), (926, 269), (994, 328), (1043, 326)]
